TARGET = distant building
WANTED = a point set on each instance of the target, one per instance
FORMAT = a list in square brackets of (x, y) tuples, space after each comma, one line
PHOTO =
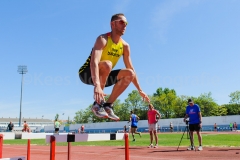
[(34, 123)]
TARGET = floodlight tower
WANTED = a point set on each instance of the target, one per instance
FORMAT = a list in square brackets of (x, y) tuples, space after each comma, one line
[(21, 70)]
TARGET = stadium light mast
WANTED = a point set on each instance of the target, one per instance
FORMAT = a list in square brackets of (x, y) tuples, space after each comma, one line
[(21, 70)]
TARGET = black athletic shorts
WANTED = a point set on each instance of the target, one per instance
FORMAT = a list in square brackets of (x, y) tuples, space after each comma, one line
[(56, 129), (85, 77), (133, 126), (194, 127)]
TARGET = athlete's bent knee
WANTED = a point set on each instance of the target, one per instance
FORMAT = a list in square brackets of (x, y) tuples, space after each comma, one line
[(131, 74)]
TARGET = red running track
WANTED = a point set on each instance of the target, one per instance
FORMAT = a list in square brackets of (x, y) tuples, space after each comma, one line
[(118, 153)]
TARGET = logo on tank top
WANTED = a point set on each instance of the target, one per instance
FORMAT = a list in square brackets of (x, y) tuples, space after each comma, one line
[(114, 53)]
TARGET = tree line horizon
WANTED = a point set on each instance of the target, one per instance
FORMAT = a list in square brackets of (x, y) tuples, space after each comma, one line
[(167, 102)]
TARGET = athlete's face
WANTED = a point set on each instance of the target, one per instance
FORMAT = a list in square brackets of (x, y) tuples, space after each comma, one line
[(150, 107), (191, 104), (119, 25)]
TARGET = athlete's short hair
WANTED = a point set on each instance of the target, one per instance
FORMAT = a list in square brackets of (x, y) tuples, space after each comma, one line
[(150, 105), (116, 16), (190, 100)]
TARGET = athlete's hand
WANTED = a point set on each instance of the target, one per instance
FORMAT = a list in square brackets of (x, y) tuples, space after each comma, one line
[(99, 94), (144, 96)]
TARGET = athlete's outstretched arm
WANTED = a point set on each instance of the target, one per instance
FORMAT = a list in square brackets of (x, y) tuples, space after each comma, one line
[(128, 63), (94, 64)]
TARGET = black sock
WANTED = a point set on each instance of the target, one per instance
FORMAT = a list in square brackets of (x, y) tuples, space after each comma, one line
[(107, 104)]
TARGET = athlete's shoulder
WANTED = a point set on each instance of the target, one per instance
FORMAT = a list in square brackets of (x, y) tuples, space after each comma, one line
[(196, 105), (125, 44), (103, 36), (156, 111), (101, 41)]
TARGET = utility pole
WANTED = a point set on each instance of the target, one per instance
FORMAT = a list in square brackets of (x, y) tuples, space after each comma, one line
[(21, 70)]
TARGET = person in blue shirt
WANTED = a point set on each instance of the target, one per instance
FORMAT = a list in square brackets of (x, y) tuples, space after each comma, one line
[(134, 122), (195, 122)]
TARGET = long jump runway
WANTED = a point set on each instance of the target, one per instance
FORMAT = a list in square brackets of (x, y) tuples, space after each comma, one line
[(118, 153)]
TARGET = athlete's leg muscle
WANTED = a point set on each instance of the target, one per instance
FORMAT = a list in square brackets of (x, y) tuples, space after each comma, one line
[(105, 68), (199, 138), (156, 137), (125, 77), (151, 136)]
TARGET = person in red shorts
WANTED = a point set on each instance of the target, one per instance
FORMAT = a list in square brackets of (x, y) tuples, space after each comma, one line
[(25, 127), (235, 126), (82, 129), (153, 117)]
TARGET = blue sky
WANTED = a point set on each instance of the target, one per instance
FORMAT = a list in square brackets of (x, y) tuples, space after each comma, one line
[(192, 46)]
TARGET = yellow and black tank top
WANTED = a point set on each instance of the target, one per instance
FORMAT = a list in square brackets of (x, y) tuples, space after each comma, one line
[(111, 52)]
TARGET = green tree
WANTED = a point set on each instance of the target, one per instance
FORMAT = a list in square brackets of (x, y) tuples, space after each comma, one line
[(219, 111), (232, 109), (78, 118), (155, 99), (168, 101), (159, 92), (142, 111), (56, 117), (134, 100), (235, 97), (180, 106), (135, 103), (206, 104), (123, 112), (164, 101)]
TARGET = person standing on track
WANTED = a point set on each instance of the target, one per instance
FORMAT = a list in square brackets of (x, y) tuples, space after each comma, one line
[(57, 126), (26, 128), (195, 122), (125, 129), (171, 127), (82, 129), (235, 126), (153, 117), (97, 70), (215, 127), (10, 126)]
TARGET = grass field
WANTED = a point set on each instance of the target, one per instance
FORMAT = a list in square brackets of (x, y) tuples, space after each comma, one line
[(165, 139)]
